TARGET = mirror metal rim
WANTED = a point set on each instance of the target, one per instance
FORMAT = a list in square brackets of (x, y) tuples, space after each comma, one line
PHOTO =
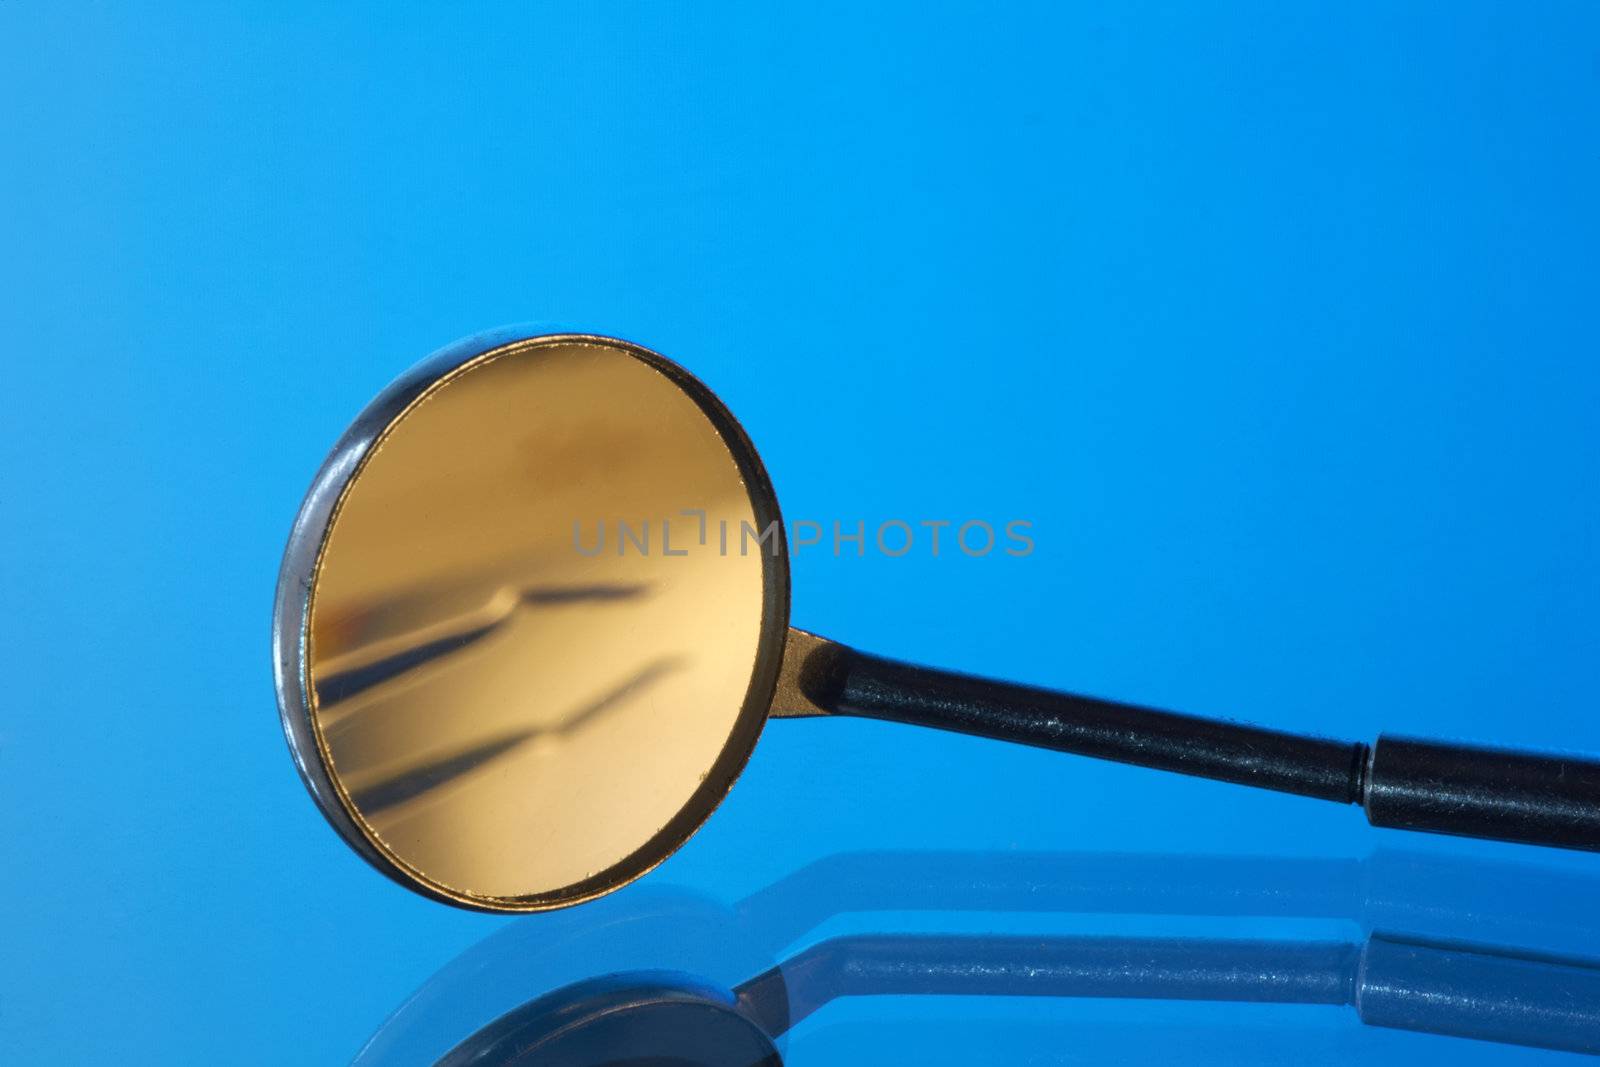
[(295, 593)]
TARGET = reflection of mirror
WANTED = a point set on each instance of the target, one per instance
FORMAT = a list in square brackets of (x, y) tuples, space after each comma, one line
[(503, 713), (1380, 939), (636, 1020)]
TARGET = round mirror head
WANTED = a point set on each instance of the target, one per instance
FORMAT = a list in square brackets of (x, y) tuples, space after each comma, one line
[(530, 620)]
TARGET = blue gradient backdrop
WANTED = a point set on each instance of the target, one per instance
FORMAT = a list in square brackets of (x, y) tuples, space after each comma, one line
[(1279, 322)]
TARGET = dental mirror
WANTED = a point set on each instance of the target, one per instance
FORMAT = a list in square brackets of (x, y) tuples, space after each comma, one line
[(533, 615)]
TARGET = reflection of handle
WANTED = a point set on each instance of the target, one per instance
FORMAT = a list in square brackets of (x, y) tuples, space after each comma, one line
[(1411, 785), (1478, 993), (1434, 989)]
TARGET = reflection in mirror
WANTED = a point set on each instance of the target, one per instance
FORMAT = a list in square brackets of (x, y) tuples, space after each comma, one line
[(651, 1020), (511, 706), (1311, 930)]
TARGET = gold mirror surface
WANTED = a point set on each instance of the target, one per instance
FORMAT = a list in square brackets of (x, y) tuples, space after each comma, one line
[(513, 693)]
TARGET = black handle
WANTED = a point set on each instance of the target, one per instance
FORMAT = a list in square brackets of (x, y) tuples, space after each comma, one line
[(1484, 792), (1403, 784)]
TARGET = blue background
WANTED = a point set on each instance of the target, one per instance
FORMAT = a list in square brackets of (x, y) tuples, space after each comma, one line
[(1279, 322)]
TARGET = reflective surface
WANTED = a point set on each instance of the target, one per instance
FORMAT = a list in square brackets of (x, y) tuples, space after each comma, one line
[(530, 655)]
